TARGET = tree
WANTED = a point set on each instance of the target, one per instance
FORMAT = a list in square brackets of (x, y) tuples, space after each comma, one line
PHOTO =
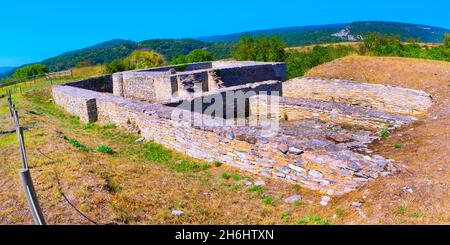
[(270, 49), (31, 70), (197, 55), (447, 40), (115, 66), (245, 49), (141, 59), (262, 49)]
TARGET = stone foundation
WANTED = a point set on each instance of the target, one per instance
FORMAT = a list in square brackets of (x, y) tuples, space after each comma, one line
[(380, 97), (319, 144), (183, 81)]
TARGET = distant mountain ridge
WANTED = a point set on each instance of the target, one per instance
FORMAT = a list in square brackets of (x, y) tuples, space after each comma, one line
[(221, 45), (307, 35)]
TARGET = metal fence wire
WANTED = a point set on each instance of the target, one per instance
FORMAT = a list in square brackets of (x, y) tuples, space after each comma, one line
[(25, 175)]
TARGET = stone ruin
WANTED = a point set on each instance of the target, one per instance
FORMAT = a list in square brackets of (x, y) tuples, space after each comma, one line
[(316, 133)]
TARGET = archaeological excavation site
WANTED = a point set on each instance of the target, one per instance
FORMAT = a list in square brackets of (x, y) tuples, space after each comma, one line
[(311, 132)]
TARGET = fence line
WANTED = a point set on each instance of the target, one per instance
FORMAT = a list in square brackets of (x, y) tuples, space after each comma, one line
[(25, 175), (32, 79)]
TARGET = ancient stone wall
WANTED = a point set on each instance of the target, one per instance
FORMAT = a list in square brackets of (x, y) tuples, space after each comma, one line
[(100, 84), (232, 102), (185, 81), (302, 158), (380, 97), (78, 102), (352, 116)]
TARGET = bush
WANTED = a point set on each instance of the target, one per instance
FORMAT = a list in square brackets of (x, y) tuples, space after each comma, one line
[(383, 45), (115, 66), (298, 63), (31, 70), (141, 59)]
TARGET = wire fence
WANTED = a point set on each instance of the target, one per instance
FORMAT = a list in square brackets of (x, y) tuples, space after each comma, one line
[(25, 175), (27, 82)]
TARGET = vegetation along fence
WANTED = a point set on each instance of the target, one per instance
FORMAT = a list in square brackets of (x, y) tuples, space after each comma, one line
[(25, 175), (18, 85)]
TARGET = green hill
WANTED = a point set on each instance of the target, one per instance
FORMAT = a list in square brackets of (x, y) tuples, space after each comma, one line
[(306, 35), (221, 46), (118, 49)]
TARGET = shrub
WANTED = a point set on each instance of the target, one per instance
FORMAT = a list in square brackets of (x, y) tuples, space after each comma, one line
[(298, 63), (388, 45), (31, 70), (104, 149), (217, 164), (141, 59), (115, 66)]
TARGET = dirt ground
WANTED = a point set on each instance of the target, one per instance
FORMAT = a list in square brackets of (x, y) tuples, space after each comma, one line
[(142, 183), (425, 146)]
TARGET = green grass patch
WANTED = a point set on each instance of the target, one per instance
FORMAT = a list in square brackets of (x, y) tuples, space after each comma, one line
[(8, 140), (397, 146), (78, 145), (257, 190), (384, 133), (415, 215), (105, 149), (156, 153), (225, 175), (402, 209), (284, 217), (217, 164), (236, 177), (268, 200), (339, 213), (313, 220)]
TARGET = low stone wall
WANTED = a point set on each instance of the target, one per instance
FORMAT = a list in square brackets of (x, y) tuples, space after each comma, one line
[(183, 81), (305, 156), (338, 113), (99, 84), (78, 102), (384, 98), (232, 102)]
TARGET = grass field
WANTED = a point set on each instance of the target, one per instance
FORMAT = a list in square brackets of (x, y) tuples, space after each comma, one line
[(105, 174)]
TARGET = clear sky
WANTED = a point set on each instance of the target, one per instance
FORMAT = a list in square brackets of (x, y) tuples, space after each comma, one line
[(33, 30)]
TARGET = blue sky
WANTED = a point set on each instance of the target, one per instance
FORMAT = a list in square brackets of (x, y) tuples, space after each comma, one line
[(33, 30)]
